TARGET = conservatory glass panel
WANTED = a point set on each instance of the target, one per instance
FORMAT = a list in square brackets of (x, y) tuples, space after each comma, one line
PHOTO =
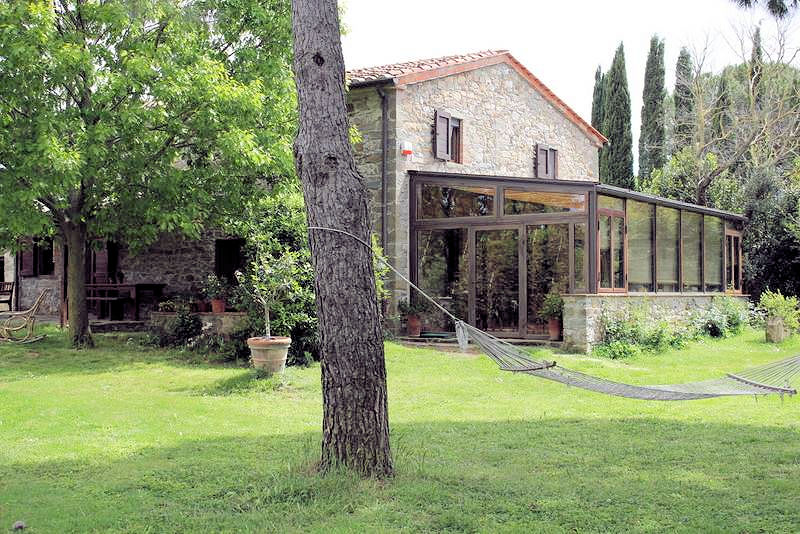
[(497, 280), (447, 201), (579, 247), (692, 255), (610, 203), (518, 202), (668, 241), (443, 267), (640, 246), (548, 269), (714, 233), (605, 251), (618, 224)]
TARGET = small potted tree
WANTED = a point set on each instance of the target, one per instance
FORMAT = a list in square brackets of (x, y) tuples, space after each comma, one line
[(215, 289), (552, 309), (413, 311), (270, 278)]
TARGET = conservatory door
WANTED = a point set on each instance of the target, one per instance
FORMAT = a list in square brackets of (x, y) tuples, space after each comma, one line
[(497, 280)]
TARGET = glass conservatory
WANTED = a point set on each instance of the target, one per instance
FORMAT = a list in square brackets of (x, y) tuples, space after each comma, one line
[(490, 249)]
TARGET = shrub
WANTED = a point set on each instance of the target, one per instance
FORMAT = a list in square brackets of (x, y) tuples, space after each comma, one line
[(177, 331), (617, 350), (774, 304), (639, 327)]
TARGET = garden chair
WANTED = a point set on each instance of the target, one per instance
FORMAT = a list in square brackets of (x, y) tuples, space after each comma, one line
[(17, 327), (7, 293)]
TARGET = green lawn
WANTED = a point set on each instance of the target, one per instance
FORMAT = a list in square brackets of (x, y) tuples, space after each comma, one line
[(128, 439)]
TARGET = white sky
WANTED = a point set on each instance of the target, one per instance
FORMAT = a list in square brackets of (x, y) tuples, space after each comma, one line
[(562, 42)]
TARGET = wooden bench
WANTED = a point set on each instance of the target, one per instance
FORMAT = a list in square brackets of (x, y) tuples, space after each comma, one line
[(7, 294)]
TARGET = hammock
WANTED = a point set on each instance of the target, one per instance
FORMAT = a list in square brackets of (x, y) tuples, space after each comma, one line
[(772, 378)]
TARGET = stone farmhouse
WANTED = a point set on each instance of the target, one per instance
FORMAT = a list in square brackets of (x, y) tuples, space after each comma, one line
[(485, 193)]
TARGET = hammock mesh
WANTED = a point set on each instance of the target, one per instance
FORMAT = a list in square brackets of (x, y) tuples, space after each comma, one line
[(772, 378)]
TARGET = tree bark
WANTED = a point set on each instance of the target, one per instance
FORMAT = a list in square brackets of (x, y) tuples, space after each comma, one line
[(78, 313), (355, 427)]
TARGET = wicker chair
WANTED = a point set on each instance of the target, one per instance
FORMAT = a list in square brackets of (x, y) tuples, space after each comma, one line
[(17, 327)]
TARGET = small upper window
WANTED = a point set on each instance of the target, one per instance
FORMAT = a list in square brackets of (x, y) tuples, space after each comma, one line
[(447, 137), (546, 162)]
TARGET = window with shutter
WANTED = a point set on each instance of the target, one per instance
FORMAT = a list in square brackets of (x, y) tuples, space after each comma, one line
[(441, 139), (546, 164), (27, 265)]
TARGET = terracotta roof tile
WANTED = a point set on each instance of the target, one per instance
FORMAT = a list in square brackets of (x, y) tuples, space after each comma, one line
[(388, 72)]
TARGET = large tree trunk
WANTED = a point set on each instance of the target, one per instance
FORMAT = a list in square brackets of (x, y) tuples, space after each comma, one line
[(78, 314), (355, 427)]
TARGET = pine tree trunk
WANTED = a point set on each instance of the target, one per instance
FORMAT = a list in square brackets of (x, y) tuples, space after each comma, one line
[(355, 427), (78, 314)]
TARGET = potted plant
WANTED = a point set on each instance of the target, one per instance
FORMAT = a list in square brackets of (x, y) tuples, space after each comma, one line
[(413, 311), (552, 308), (271, 278), (215, 290)]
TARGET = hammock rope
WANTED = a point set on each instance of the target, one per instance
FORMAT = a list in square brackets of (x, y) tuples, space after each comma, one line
[(771, 378)]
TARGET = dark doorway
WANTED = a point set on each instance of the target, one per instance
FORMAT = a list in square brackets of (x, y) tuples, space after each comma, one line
[(228, 258)]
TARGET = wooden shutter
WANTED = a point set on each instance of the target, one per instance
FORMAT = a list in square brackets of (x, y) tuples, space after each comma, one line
[(541, 161), (27, 263), (552, 163), (441, 138), (100, 266), (546, 164)]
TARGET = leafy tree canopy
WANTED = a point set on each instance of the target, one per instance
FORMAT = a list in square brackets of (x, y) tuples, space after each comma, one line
[(127, 118), (139, 116)]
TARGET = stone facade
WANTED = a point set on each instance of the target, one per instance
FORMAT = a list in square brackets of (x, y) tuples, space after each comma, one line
[(582, 313), (30, 286), (180, 263), (503, 118)]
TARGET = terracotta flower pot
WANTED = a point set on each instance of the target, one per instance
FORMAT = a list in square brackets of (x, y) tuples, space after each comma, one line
[(554, 328), (413, 326), (269, 353), (203, 306), (218, 305)]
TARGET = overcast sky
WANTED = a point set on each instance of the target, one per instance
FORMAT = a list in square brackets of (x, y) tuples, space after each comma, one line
[(562, 42)]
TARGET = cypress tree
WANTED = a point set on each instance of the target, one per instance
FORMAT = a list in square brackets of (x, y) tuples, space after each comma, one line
[(652, 135), (616, 160), (756, 69), (684, 100), (597, 99)]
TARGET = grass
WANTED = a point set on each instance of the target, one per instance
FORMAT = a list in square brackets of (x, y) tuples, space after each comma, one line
[(129, 439)]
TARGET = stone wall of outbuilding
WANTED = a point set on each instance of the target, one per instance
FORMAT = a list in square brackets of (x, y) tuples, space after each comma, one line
[(30, 286), (179, 262), (582, 313)]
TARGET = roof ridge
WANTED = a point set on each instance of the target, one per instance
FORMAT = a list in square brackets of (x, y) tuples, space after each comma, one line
[(415, 65)]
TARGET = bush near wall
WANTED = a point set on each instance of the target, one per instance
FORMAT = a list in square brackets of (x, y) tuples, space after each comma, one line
[(638, 328)]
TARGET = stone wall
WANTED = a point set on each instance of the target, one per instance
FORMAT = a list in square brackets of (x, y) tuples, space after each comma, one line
[(181, 263), (503, 118), (30, 287), (582, 313), (364, 112)]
